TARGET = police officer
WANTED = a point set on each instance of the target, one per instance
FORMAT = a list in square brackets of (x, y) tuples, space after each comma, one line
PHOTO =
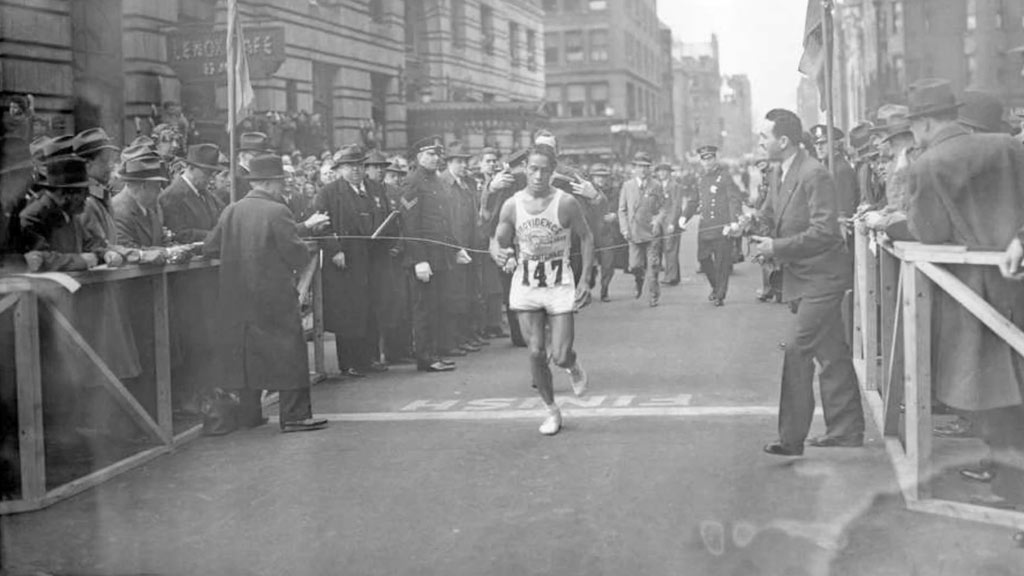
[(719, 206), (845, 178), (426, 214)]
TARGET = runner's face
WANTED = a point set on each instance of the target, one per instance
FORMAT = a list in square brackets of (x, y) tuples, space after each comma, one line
[(538, 174)]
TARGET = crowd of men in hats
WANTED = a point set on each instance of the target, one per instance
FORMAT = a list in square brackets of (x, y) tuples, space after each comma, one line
[(938, 169)]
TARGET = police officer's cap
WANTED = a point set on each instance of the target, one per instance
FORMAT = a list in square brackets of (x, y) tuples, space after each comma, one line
[(707, 152), (820, 134), (429, 143), (600, 169), (518, 158)]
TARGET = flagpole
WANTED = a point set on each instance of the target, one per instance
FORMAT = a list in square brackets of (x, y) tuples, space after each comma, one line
[(232, 97), (829, 37)]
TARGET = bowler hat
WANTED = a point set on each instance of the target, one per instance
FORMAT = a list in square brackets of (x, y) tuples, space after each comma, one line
[(707, 151), (204, 156), (642, 158), (351, 154), (600, 169), (253, 142), (456, 150), (930, 97), (376, 158), (820, 133), (66, 172), (14, 155), (58, 147), (983, 111), (144, 169), (429, 143), (92, 141), (266, 167)]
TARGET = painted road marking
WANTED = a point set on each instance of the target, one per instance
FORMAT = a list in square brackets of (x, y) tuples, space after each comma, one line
[(535, 403), (517, 414)]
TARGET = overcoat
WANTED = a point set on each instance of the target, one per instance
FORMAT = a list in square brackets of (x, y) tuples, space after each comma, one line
[(719, 203), (136, 227), (347, 304), (847, 190), (394, 308), (426, 215), (261, 345), (969, 190), (464, 206), (642, 210), (188, 214), (802, 214)]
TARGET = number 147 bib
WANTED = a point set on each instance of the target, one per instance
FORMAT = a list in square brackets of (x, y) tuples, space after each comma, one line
[(545, 273)]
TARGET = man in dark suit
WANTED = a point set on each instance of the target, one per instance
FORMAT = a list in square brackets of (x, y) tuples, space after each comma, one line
[(845, 178), (643, 210), (136, 210), (190, 211), (802, 214)]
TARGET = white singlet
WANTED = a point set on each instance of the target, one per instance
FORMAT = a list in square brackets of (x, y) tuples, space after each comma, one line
[(543, 280)]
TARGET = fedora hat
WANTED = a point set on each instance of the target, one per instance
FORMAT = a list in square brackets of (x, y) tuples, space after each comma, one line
[(66, 172), (146, 168), (456, 150), (887, 114), (860, 135), (266, 167), (92, 141), (396, 168), (58, 147), (14, 155), (929, 97), (376, 158), (254, 142), (983, 111), (204, 156), (706, 152), (642, 159), (138, 151), (350, 154)]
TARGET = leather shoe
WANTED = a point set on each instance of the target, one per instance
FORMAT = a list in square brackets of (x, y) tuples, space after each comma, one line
[(780, 449), (353, 373), (469, 347), (851, 441), (435, 367), (446, 362), (307, 425), (719, 302), (605, 298)]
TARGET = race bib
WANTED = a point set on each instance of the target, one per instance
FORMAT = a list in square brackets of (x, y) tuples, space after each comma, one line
[(544, 273)]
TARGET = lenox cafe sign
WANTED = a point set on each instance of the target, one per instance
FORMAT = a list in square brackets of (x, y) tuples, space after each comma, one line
[(202, 55)]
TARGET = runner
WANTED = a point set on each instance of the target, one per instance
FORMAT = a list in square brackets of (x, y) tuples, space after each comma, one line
[(542, 219)]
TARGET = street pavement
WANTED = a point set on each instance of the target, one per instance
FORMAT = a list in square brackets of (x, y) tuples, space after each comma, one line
[(659, 470)]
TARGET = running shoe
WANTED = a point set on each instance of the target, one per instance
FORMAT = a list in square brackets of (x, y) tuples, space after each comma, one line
[(578, 377), (552, 424)]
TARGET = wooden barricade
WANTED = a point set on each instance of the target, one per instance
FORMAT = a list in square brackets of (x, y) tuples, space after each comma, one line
[(20, 293), (893, 294)]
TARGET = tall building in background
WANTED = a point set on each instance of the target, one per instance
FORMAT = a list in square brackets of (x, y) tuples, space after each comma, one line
[(807, 103), (475, 70), (605, 90), (697, 91), (892, 43), (737, 115)]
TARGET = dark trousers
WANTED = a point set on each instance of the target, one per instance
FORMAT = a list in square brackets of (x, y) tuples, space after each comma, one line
[(818, 335), (354, 352), (606, 262), (293, 405), (427, 311), (716, 264), (1002, 430), (670, 258)]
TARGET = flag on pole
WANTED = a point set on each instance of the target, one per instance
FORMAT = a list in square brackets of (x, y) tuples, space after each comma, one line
[(243, 93), (812, 62)]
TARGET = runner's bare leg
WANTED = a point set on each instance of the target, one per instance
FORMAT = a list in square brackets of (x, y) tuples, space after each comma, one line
[(533, 325), (563, 335)]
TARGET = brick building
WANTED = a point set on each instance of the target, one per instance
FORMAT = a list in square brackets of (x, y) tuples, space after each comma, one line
[(606, 64), (891, 43), (107, 62), (737, 117), (697, 91), (474, 70)]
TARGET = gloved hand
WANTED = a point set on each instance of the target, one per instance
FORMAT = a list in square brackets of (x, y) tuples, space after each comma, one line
[(682, 224), (113, 259), (423, 272), (339, 260)]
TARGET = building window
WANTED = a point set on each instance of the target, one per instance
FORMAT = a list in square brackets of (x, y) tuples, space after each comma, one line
[(513, 43), (629, 49), (576, 100), (291, 95), (553, 101), (598, 45), (551, 48), (551, 6), (379, 107), (972, 14), (630, 100), (531, 50), (598, 99), (487, 28), (574, 46), (459, 22), (377, 10), (897, 18), (598, 5)]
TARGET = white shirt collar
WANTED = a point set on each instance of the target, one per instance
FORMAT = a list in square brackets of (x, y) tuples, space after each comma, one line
[(786, 164), (190, 184)]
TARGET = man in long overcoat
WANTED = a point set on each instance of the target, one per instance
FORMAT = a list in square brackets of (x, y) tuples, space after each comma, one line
[(261, 344), (461, 321), (643, 208), (190, 211), (802, 214), (354, 210), (608, 240), (966, 189)]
